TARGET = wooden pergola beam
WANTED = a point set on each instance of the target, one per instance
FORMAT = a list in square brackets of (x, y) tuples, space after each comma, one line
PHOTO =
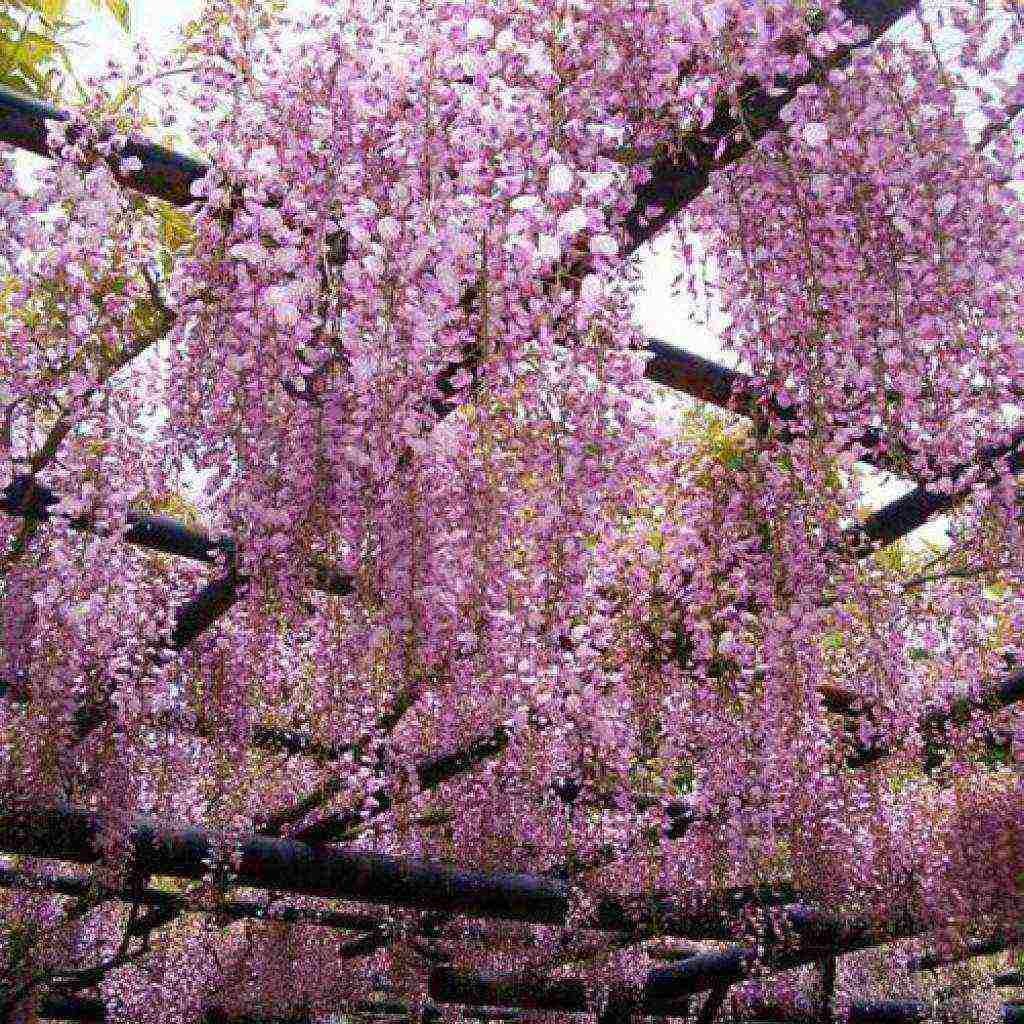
[(997, 942), (169, 902), (285, 865), (164, 174), (662, 993), (72, 1008)]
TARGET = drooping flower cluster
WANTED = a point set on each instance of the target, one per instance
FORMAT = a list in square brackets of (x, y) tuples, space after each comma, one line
[(390, 344)]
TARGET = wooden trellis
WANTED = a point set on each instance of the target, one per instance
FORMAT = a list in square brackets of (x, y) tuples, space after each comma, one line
[(304, 864)]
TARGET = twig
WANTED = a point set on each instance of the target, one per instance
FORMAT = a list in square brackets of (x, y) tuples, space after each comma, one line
[(961, 573)]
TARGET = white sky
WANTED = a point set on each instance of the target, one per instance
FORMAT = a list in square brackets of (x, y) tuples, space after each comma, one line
[(661, 314)]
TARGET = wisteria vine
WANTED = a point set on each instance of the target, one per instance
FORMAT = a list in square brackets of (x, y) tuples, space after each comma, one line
[(391, 339)]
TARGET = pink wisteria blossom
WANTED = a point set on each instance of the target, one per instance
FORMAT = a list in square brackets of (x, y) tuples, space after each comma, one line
[(386, 359)]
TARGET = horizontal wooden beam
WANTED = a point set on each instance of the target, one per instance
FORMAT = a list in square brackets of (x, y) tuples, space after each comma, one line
[(993, 695), (997, 942), (816, 935), (676, 181), (914, 509), (169, 175), (673, 183), (565, 995), (31, 499), (72, 1008), (285, 865), (431, 772), (699, 377), (888, 1011), (169, 902), (164, 174)]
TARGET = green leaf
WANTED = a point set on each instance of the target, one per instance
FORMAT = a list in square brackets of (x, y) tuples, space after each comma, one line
[(175, 228), (33, 36), (52, 11), (33, 50), (833, 640)]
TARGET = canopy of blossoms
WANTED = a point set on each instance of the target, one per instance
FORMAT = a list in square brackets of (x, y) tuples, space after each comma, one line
[(468, 597)]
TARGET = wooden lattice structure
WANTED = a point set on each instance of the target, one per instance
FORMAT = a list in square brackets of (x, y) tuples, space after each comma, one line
[(306, 863)]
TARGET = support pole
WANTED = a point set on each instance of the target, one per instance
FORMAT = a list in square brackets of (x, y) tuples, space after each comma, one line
[(827, 972), (712, 1005)]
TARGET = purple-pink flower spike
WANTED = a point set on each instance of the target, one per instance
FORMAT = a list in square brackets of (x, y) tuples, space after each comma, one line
[(476, 608)]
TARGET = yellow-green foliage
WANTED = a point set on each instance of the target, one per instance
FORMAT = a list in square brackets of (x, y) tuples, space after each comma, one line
[(35, 38)]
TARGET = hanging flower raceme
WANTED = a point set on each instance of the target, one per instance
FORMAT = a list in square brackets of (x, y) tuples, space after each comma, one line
[(475, 603)]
